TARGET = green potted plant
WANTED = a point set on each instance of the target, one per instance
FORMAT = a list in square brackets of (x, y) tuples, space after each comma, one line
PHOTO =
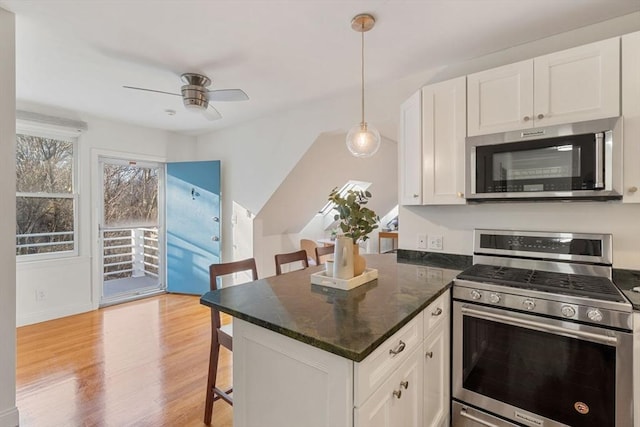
[(356, 220)]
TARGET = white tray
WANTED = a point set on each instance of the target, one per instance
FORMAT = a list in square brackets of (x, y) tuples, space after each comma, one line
[(322, 279)]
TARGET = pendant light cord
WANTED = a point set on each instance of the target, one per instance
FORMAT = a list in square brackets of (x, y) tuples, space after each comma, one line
[(362, 73)]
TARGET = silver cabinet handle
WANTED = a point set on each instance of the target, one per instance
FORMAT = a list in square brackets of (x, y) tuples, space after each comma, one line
[(429, 354), (397, 393), (398, 349), (526, 118), (438, 312), (415, 196), (460, 194), (404, 384), (540, 116)]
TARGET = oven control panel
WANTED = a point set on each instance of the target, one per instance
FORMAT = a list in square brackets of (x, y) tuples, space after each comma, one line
[(535, 303)]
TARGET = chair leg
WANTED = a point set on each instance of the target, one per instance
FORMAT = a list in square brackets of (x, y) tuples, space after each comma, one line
[(211, 382)]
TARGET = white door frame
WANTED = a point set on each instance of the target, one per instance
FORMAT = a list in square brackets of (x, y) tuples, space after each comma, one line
[(97, 155)]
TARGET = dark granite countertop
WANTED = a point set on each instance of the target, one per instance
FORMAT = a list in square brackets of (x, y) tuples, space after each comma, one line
[(626, 280), (351, 323)]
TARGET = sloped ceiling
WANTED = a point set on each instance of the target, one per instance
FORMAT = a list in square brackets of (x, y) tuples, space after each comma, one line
[(327, 164), (77, 55)]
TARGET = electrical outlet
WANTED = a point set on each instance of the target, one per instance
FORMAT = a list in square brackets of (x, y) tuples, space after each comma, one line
[(435, 243), (41, 295), (422, 241)]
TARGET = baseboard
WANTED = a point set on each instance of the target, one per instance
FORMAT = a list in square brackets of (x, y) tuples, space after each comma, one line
[(9, 417), (55, 313)]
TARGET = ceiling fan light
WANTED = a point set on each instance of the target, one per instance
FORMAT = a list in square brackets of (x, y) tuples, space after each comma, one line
[(363, 141)]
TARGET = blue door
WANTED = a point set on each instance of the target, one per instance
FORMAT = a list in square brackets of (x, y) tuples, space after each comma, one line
[(193, 225)]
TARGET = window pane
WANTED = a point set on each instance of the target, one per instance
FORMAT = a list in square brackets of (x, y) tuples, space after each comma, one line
[(43, 165), (43, 225), (130, 195)]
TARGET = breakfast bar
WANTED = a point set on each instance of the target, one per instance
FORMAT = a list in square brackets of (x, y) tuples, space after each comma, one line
[(310, 355)]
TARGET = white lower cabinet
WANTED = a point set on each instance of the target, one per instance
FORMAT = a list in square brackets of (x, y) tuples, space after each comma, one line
[(282, 382), (397, 402), (436, 377)]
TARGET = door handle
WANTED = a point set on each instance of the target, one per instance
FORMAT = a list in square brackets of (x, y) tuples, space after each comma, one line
[(215, 239)]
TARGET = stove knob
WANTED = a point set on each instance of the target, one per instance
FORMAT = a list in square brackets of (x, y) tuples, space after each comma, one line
[(494, 298), (568, 311), (475, 295), (594, 314), (529, 304)]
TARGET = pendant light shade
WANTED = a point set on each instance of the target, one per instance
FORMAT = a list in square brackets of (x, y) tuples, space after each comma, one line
[(363, 140)]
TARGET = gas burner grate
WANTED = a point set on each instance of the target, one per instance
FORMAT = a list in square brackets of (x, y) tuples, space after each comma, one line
[(545, 281)]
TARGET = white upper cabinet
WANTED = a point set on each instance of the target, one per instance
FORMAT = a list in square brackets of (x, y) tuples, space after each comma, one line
[(410, 155), (569, 86), (443, 142), (500, 99), (631, 114)]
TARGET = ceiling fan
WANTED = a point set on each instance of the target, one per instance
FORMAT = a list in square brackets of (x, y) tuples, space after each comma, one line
[(196, 96)]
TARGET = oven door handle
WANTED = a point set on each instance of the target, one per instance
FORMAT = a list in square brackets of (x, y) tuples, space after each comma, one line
[(603, 339), (465, 414)]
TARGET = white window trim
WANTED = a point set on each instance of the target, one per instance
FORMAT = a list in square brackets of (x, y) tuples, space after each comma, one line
[(61, 133)]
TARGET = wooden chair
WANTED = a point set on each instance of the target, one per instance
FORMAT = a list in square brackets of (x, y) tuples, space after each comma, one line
[(322, 253), (221, 334), (281, 259), (309, 246)]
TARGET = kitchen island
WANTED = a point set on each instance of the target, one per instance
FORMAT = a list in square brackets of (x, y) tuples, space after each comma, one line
[(315, 356)]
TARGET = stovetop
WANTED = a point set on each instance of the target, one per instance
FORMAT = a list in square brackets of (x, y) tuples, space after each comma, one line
[(595, 287)]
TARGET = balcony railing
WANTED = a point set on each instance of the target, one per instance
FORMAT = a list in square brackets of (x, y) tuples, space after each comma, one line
[(130, 252)]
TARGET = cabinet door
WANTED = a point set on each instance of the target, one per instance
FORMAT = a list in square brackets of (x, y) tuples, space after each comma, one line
[(631, 114), (436, 377), (443, 132), (500, 99), (397, 403), (410, 156), (281, 382), (578, 84)]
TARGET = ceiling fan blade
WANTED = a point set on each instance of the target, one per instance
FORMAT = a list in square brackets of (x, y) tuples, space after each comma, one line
[(222, 95), (151, 90), (211, 113)]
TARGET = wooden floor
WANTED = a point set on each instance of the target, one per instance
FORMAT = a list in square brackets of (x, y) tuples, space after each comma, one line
[(143, 363)]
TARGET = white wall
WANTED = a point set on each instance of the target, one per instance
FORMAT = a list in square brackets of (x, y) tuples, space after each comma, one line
[(72, 285), (8, 411), (456, 223)]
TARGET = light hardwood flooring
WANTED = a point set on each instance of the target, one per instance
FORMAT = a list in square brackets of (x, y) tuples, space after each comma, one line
[(143, 363)]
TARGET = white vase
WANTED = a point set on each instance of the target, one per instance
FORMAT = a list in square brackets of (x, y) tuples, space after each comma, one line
[(343, 258)]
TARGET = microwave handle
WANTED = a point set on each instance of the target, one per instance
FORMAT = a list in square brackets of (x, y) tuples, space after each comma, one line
[(599, 154)]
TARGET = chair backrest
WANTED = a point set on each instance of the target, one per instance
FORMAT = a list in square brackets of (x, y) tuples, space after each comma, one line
[(218, 270), (323, 252), (281, 259), (309, 246)]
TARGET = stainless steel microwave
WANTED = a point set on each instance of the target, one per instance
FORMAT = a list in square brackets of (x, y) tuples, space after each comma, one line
[(564, 162)]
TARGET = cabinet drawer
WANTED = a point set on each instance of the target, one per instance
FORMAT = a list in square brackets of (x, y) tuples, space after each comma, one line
[(376, 368), (436, 312)]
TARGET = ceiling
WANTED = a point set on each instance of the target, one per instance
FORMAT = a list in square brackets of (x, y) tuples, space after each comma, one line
[(284, 54)]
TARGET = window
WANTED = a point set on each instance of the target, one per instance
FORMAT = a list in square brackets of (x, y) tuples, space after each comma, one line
[(45, 195)]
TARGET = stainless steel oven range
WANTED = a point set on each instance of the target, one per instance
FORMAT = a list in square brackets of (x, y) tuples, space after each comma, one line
[(541, 335)]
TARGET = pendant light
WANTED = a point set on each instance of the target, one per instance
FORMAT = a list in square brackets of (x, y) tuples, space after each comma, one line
[(363, 140)]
